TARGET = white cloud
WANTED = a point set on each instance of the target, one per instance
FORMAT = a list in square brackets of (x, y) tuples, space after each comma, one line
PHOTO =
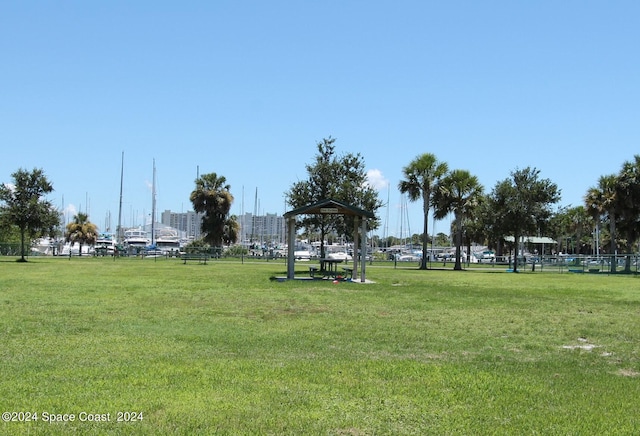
[(376, 180), (70, 210)]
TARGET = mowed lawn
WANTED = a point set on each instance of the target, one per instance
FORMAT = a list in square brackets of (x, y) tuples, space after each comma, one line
[(222, 349)]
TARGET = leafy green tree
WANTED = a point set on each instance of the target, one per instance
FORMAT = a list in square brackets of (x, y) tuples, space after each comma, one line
[(461, 193), (9, 234), (25, 207), (571, 224), (342, 178), (442, 240), (355, 190), (523, 203), (491, 225), (322, 183), (82, 231), (601, 201), (236, 251), (212, 197), (420, 178), (559, 228), (197, 246), (473, 228), (628, 205)]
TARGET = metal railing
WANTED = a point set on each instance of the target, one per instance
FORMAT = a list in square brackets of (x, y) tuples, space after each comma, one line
[(574, 263)]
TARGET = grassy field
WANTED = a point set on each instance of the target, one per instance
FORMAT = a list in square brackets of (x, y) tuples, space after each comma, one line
[(159, 347)]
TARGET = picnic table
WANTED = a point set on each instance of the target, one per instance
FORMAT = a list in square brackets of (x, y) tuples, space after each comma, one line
[(330, 266), (348, 270)]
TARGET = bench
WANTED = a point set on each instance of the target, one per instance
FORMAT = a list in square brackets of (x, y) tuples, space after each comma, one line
[(200, 257), (313, 270), (348, 270)]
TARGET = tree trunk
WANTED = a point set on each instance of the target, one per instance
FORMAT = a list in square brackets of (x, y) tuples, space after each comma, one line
[(425, 231), (627, 262), (22, 232), (458, 265), (612, 231), (516, 240)]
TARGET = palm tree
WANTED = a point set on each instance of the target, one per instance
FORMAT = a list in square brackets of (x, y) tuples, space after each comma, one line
[(582, 225), (461, 193), (628, 205), (82, 231), (421, 175), (602, 201), (231, 230), (474, 230), (212, 197)]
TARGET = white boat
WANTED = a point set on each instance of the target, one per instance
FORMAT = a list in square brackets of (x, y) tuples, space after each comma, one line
[(340, 255), (43, 246), (409, 257), (168, 242), (304, 252), (338, 252), (70, 249), (484, 256), (135, 240), (105, 244)]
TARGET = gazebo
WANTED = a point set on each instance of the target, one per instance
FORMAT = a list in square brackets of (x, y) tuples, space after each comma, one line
[(536, 240), (330, 206)]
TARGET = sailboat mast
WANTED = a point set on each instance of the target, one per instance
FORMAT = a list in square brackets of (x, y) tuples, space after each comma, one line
[(153, 204), (255, 216), (243, 231), (401, 216), (386, 224), (119, 231)]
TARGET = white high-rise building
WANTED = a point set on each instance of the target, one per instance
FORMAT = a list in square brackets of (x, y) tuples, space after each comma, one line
[(262, 229), (187, 222)]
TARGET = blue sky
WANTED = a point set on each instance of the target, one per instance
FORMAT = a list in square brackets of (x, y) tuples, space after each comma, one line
[(245, 89)]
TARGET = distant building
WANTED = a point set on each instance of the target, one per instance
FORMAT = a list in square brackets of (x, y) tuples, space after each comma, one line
[(262, 229), (187, 222)]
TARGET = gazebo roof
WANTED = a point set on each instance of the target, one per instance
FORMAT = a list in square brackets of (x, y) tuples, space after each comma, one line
[(330, 206)]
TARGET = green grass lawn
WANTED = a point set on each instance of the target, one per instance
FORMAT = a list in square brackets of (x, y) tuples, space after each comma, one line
[(222, 349)]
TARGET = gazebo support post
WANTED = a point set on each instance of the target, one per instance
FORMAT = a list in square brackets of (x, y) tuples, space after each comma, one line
[(363, 249), (354, 273), (291, 248)]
